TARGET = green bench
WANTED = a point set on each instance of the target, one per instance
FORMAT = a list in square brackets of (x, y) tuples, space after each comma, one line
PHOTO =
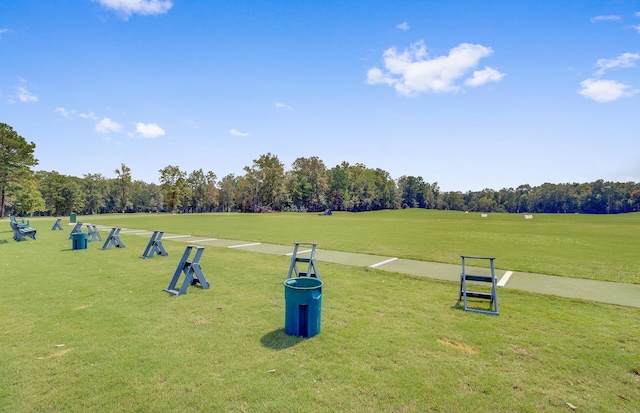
[(21, 232), (21, 224)]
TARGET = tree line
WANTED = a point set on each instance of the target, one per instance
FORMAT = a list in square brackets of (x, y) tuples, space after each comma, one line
[(266, 185)]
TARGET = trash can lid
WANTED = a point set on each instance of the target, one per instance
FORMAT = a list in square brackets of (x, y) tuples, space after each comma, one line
[(303, 283)]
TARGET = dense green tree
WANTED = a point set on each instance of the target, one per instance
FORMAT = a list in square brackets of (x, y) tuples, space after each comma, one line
[(338, 192), (308, 183), (111, 196), (28, 197), (175, 187), (522, 198), (487, 201), (453, 200), (361, 187), (385, 190), (599, 197), (62, 194), (144, 197), (95, 192), (16, 160), (212, 192), (358, 188), (246, 194), (308, 186), (124, 184), (413, 191), (156, 197), (228, 193), (204, 194), (634, 198), (265, 183), (432, 196)]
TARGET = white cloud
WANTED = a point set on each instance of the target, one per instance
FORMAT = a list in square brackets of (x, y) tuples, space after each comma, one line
[(25, 96), (625, 60), (2, 31), (280, 105), (89, 115), (236, 132), (412, 71), (610, 18), (481, 77), (603, 91), (106, 125), (149, 130), (142, 7), (403, 26), (65, 113), (22, 93)]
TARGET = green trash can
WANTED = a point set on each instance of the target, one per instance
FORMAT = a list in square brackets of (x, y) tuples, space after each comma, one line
[(72, 217), (303, 306), (79, 241)]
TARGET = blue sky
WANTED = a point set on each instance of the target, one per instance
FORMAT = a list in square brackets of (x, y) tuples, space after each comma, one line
[(471, 94)]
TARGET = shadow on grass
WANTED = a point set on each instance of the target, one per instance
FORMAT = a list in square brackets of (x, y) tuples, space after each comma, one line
[(278, 340), (473, 306)]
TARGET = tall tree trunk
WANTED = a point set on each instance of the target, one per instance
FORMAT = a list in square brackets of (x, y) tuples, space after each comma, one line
[(2, 204)]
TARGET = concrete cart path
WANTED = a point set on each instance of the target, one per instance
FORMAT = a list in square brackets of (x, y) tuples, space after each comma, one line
[(601, 291)]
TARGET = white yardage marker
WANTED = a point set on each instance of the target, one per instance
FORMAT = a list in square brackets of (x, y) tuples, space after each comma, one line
[(505, 278), (244, 245), (383, 263), (207, 239), (176, 236), (299, 252)]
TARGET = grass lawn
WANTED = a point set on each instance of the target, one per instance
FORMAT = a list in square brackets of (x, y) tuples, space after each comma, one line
[(599, 247), (91, 330)]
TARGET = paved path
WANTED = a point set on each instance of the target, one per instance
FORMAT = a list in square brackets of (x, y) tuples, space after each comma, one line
[(602, 291)]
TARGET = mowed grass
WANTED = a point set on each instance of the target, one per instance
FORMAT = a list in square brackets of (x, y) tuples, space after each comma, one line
[(91, 330), (599, 247)]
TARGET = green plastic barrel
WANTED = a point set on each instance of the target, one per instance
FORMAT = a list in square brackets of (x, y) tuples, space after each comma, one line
[(303, 306), (72, 217), (79, 241)]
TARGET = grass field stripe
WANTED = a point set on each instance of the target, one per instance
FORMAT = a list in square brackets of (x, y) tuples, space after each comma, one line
[(383, 263), (206, 239), (505, 278), (176, 236), (244, 245), (299, 252)]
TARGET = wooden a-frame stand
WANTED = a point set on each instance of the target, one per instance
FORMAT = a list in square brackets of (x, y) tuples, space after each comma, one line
[(155, 246), (192, 272), (312, 269), (492, 296)]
